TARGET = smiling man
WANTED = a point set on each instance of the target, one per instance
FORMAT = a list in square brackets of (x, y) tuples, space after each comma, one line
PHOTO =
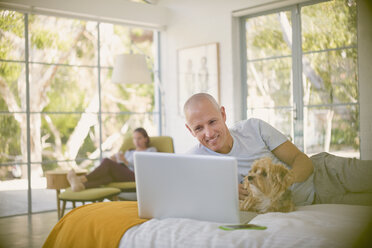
[(246, 141), (207, 122), (335, 179)]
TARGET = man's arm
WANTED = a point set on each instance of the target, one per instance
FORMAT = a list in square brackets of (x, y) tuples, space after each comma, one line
[(302, 167)]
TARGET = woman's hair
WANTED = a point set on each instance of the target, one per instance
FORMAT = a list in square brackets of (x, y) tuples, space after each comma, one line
[(144, 134)]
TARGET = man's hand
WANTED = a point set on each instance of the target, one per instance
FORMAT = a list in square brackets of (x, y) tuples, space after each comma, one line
[(243, 193)]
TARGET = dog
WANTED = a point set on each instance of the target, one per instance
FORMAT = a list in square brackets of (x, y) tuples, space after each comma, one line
[(267, 185)]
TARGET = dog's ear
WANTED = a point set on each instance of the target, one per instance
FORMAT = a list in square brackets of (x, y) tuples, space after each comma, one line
[(285, 176), (288, 178), (280, 171), (245, 182)]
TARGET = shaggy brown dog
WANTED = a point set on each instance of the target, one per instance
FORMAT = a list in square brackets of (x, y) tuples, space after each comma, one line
[(267, 184)]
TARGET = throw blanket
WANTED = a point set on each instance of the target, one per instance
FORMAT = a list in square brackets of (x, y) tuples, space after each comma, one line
[(94, 225)]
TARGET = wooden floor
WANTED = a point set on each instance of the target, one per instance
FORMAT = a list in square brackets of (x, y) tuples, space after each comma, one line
[(26, 231)]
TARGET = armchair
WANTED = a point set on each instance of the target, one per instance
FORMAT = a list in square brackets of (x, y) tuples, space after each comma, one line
[(161, 143)]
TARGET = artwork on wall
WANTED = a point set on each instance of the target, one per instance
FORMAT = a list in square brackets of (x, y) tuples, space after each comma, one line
[(198, 71)]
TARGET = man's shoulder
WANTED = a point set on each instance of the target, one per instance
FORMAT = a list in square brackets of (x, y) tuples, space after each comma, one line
[(250, 123), (197, 149), (192, 150)]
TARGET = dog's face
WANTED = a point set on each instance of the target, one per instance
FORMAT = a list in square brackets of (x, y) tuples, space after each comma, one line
[(267, 178)]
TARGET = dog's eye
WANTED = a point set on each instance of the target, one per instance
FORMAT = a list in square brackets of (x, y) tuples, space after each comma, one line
[(264, 174)]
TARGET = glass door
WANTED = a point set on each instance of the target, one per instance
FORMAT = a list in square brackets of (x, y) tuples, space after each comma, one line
[(58, 106), (301, 75), (330, 78), (269, 82)]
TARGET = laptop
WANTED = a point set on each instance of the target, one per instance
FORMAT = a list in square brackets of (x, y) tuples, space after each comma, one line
[(188, 186)]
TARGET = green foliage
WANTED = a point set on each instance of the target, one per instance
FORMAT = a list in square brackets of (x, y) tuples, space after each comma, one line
[(138, 32), (13, 22), (86, 47), (9, 138), (346, 132), (123, 33), (42, 39), (326, 25), (70, 88), (49, 166), (11, 28), (65, 92), (270, 38), (65, 125), (10, 72), (87, 147), (265, 37)]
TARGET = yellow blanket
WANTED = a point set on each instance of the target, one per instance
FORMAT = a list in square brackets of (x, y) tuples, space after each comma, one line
[(94, 225)]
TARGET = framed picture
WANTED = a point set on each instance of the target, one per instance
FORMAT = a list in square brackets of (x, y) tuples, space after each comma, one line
[(198, 71)]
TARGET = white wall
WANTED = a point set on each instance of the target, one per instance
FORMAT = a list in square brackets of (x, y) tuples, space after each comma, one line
[(192, 23)]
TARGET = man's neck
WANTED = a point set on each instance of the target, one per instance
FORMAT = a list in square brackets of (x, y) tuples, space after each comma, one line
[(228, 145)]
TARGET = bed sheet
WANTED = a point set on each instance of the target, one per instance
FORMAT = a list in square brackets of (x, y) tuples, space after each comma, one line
[(323, 225)]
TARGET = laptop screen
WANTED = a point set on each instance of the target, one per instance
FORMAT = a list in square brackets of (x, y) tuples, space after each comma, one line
[(187, 186)]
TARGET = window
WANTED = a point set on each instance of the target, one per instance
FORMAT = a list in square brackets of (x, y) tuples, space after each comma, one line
[(301, 74), (58, 106)]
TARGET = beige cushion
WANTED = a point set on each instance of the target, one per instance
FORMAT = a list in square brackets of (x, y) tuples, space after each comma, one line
[(88, 194)]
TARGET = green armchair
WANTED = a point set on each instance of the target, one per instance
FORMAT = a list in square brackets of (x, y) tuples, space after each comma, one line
[(115, 190), (161, 143)]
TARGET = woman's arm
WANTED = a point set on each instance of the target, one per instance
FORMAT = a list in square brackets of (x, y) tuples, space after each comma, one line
[(119, 158), (151, 149)]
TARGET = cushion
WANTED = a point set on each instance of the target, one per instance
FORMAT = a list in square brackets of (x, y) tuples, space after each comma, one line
[(88, 194), (124, 186), (128, 196), (94, 225), (161, 143)]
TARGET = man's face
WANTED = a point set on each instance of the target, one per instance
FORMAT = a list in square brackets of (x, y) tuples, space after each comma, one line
[(207, 123)]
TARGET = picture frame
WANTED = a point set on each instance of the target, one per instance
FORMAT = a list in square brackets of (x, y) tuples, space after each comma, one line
[(198, 71)]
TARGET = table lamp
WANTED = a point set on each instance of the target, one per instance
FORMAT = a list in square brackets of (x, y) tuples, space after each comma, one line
[(131, 69)]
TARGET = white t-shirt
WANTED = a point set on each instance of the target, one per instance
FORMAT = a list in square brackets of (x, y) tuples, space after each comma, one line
[(129, 156), (254, 139)]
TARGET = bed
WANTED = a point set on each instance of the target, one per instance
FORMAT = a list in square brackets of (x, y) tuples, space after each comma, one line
[(116, 224)]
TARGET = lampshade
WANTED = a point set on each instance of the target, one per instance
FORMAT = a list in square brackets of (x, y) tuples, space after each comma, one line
[(131, 69)]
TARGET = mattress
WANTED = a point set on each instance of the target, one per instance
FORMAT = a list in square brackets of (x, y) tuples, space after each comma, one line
[(322, 225)]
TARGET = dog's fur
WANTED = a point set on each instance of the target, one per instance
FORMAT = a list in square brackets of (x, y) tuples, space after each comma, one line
[(267, 185)]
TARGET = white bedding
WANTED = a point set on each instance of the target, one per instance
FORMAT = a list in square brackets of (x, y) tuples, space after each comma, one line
[(325, 225)]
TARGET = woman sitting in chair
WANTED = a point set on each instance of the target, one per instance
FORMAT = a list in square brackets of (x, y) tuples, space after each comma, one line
[(118, 168)]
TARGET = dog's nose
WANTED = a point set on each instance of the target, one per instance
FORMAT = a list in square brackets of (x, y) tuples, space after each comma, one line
[(250, 178)]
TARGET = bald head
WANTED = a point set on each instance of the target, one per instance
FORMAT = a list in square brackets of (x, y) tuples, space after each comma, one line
[(205, 120), (197, 99)]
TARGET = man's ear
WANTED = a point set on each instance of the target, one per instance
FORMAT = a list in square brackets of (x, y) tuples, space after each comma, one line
[(192, 133), (223, 113)]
